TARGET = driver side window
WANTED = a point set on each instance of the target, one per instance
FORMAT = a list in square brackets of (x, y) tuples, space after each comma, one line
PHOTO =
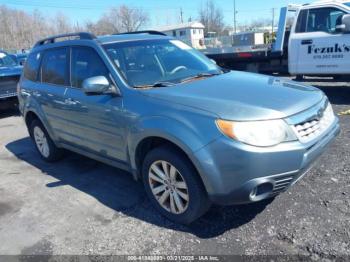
[(323, 19), (86, 63)]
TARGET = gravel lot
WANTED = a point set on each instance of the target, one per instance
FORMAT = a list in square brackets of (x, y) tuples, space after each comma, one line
[(79, 206)]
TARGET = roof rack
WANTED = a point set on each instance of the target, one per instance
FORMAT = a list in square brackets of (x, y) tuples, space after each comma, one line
[(150, 32), (51, 39)]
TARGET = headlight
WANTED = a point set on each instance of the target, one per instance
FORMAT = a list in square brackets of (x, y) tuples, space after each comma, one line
[(256, 133)]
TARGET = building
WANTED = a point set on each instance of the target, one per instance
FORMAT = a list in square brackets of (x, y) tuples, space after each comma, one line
[(191, 33)]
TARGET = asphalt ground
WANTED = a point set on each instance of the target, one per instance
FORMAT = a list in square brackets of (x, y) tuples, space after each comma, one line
[(82, 207)]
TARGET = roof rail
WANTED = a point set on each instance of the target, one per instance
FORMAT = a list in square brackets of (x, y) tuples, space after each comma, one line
[(51, 39), (150, 32)]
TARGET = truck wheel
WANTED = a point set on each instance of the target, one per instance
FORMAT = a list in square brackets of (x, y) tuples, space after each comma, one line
[(338, 78), (299, 78), (44, 144), (173, 186)]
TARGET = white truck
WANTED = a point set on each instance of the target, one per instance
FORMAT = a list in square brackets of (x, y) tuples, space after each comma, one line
[(317, 43)]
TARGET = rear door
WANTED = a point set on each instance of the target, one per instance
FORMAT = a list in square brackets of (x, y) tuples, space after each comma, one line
[(49, 91), (96, 122), (320, 48)]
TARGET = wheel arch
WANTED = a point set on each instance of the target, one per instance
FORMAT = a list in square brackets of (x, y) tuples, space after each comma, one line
[(31, 115), (179, 132), (151, 142)]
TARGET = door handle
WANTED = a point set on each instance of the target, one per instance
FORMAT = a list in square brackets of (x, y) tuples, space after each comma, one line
[(307, 42), (71, 102)]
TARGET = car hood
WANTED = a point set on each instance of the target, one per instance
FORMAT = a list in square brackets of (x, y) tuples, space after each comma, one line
[(242, 96), (11, 71)]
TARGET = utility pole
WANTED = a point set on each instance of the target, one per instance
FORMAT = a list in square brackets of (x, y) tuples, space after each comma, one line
[(273, 20), (181, 15), (234, 16)]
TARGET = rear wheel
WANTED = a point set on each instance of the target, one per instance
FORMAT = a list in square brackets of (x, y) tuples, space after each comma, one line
[(173, 185), (44, 144)]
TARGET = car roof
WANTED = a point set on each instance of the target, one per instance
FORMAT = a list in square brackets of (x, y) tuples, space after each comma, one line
[(80, 37), (129, 37)]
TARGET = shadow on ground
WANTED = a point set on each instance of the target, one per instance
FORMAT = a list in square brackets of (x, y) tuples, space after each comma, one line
[(116, 189)]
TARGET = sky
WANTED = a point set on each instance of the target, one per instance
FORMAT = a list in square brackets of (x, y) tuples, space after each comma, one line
[(161, 12)]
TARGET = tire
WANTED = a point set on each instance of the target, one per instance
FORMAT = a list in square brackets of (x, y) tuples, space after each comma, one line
[(299, 78), (186, 176), (43, 143)]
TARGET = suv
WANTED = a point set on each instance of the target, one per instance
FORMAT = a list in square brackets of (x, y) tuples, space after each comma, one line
[(195, 133)]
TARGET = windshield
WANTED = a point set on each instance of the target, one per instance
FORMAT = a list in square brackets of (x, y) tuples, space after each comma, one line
[(348, 4), (148, 62), (6, 60)]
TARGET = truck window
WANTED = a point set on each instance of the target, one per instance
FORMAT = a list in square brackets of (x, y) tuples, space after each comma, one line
[(54, 67), (323, 19), (86, 63), (31, 67), (301, 23)]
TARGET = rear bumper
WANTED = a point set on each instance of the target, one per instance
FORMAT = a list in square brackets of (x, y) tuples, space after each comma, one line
[(234, 173)]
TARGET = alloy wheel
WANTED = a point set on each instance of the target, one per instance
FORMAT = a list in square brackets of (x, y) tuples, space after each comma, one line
[(168, 187), (41, 142)]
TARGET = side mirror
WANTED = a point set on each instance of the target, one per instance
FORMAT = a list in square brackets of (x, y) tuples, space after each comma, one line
[(345, 24), (98, 85)]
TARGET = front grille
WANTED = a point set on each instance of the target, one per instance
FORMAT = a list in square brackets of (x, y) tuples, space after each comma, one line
[(7, 95), (281, 183), (8, 86), (307, 131)]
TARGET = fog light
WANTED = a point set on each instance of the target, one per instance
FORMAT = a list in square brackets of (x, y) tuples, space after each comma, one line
[(261, 191), (253, 193), (265, 188)]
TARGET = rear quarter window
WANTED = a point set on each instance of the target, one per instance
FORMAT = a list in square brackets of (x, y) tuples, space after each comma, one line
[(31, 67)]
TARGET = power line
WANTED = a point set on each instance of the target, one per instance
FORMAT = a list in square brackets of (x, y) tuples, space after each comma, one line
[(93, 7)]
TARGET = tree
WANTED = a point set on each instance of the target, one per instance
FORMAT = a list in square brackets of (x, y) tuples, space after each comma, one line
[(131, 19), (20, 30), (119, 20), (212, 18), (61, 24)]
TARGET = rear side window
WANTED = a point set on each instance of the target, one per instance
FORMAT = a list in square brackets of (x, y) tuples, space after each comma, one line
[(86, 63), (31, 67), (54, 68)]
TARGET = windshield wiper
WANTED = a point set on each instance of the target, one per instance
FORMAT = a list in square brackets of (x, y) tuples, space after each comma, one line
[(156, 84), (198, 76)]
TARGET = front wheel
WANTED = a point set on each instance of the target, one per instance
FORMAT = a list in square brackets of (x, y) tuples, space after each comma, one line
[(44, 144), (173, 185)]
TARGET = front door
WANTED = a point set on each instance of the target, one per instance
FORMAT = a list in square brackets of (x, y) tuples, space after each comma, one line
[(96, 122)]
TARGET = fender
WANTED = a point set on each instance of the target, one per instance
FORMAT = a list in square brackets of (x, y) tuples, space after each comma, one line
[(167, 128)]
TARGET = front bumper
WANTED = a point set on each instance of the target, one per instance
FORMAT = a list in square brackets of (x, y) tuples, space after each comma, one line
[(235, 173)]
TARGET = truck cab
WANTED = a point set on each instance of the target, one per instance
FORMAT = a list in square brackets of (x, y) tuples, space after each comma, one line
[(319, 43)]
